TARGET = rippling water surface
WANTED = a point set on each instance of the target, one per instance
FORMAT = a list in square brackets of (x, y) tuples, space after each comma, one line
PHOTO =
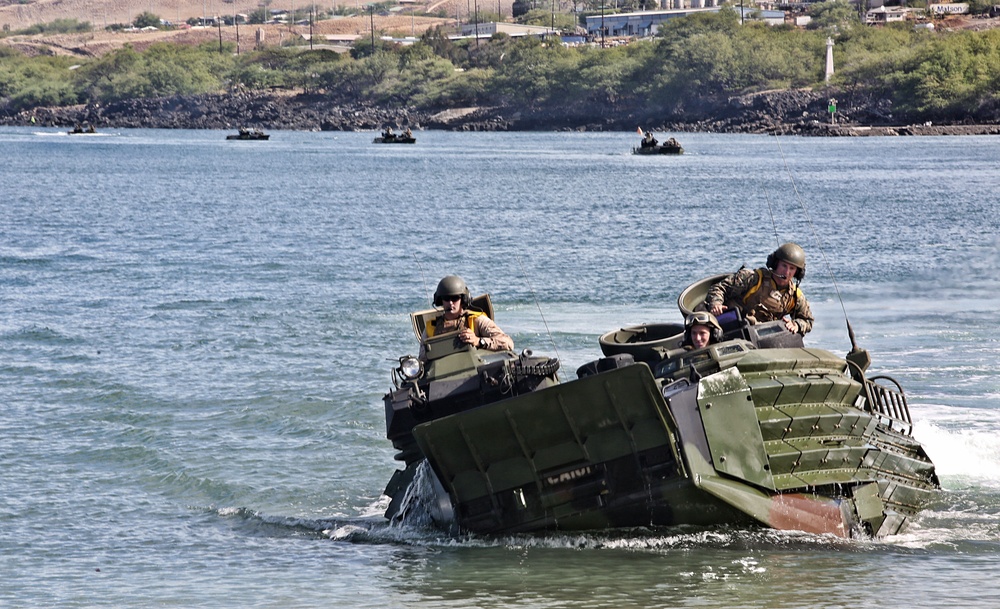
[(196, 336)]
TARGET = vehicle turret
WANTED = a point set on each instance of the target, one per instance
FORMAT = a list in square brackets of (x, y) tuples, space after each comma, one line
[(452, 377)]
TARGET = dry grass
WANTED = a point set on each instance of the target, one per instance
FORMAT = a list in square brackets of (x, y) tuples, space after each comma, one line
[(99, 42), (105, 12), (102, 13)]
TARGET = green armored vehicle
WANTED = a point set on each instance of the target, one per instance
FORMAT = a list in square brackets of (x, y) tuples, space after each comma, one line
[(754, 429)]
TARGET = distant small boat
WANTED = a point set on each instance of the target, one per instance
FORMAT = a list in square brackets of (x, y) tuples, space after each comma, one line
[(81, 130), (249, 134), (388, 137), (671, 146)]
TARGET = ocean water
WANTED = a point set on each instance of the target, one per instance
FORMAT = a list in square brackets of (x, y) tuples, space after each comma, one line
[(197, 333)]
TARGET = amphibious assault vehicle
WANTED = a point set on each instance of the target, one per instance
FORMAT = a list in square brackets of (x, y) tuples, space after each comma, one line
[(754, 429), (389, 137), (671, 146)]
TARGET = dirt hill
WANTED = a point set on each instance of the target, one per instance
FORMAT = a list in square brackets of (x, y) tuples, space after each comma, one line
[(100, 41), (101, 13), (20, 14)]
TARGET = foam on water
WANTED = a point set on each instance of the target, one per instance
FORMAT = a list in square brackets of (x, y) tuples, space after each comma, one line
[(963, 443)]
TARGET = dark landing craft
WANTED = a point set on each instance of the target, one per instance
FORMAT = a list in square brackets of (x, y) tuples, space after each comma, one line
[(755, 429), (671, 146), (658, 149), (394, 139), (249, 134)]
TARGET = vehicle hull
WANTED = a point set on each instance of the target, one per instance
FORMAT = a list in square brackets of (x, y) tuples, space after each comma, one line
[(621, 448), (658, 149)]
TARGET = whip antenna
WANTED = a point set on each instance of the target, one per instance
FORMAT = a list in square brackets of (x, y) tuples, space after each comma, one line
[(420, 269), (540, 314), (816, 239), (774, 225)]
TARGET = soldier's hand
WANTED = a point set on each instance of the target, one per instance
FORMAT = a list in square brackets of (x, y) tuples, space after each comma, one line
[(717, 309)]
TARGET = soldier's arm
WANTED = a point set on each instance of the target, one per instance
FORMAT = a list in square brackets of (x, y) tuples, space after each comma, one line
[(493, 338), (802, 314), (732, 286)]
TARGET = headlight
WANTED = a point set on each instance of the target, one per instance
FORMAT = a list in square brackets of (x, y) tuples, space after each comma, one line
[(410, 368)]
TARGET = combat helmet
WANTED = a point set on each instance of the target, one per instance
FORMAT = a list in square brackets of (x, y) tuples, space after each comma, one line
[(702, 318), (792, 253), (452, 285)]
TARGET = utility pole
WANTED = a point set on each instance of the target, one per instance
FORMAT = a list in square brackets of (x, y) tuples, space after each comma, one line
[(371, 13), (602, 24)]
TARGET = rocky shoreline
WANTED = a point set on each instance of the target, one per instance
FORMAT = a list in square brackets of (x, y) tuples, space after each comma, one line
[(790, 112)]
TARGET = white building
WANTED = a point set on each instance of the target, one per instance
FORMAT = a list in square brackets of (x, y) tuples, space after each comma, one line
[(885, 14), (486, 30), (645, 23)]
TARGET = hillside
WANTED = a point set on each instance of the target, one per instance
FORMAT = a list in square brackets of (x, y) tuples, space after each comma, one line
[(99, 42), (19, 14), (100, 13), (16, 16)]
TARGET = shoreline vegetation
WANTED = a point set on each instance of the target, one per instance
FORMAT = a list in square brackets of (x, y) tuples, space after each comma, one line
[(303, 112), (702, 73)]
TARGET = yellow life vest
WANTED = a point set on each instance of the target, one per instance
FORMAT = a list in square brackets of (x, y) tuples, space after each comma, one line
[(470, 320)]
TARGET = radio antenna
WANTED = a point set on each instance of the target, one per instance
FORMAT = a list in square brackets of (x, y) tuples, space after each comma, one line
[(538, 306), (815, 236), (770, 210), (420, 269)]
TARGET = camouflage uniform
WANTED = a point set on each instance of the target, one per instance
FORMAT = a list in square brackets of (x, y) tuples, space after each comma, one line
[(768, 303)]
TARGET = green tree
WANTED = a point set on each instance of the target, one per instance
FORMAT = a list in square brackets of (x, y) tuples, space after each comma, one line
[(832, 14), (146, 19), (59, 26), (616, 75), (713, 56), (363, 47), (535, 73), (43, 80), (444, 47), (471, 87), (726, 22), (560, 21), (951, 76), (162, 70), (980, 7)]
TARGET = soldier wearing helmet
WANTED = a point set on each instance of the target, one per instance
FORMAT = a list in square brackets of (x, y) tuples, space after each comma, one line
[(701, 329), (474, 327), (767, 294)]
